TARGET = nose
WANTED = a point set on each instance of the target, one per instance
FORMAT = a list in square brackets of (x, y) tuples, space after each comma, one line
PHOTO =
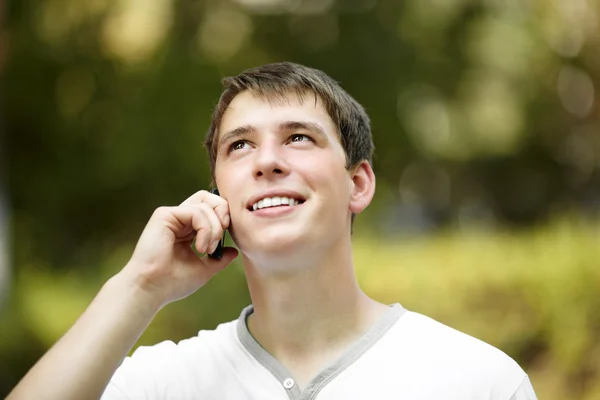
[(270, 161)]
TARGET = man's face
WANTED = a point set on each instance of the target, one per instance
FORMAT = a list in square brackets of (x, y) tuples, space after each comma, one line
[(282, 169)]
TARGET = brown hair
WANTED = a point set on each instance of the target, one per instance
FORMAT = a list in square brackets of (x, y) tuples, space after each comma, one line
[(275, 81)]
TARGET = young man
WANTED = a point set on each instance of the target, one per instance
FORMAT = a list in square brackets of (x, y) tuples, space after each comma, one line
[(290, 153)]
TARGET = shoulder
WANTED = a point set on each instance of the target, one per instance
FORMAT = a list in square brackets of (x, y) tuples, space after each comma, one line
[(205, 342), (171, 369), (427, 331), (445, 343), (451, 355), (208, 346)]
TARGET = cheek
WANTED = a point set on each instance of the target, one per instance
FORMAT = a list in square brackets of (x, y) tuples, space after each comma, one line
[(228, 183), (225, 177), (321, 163), (328, 175)]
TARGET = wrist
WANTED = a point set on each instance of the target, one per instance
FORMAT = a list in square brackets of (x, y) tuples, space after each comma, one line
[(135, 293)]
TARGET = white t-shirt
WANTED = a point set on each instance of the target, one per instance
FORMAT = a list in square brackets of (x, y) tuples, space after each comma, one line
[(404, 356)]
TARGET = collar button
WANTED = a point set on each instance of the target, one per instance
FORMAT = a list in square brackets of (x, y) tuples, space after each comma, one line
[(288, 383)]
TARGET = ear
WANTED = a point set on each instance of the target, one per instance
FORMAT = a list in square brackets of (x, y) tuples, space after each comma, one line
[(363, 187)]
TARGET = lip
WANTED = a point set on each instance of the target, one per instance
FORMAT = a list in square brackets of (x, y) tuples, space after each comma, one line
[(274, 193), (273, 212)]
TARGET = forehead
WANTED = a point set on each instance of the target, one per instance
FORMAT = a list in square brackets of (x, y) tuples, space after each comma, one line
[(261, 112)]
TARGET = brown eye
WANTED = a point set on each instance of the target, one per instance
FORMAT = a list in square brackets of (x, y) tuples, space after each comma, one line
[(238, 145), (299, 138)]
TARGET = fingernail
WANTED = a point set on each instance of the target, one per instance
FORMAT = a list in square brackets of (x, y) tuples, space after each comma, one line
[(213, 246)]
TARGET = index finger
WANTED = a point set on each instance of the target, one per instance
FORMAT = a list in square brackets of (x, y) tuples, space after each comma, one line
[(217, 203)]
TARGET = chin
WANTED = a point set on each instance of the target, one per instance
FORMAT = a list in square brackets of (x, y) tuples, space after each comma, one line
[(277, 244)]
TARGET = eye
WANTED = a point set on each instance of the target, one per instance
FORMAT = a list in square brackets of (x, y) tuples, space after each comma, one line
[(298, 137), (240, 144)]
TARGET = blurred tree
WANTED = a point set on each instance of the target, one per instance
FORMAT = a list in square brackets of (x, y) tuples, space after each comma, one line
[(107, 103), (483, 112), (4, 250)]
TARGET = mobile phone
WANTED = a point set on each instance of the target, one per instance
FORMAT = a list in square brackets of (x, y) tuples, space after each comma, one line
[(218, 253)]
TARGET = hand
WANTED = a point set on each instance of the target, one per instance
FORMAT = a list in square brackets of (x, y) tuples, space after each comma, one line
[(164, 264)]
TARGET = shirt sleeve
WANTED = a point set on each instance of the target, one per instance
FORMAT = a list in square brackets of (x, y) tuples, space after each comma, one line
[(525, 391), (146, 375), (112, 392)]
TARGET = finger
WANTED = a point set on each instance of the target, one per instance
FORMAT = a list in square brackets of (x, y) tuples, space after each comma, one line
[(197, 197), (222, 211), (216, 229), (184, 221), (186, 238), (217, 203)]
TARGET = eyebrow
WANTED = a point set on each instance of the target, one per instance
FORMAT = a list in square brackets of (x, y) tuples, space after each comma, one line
[(235, 133), (284, 126), (299, 125)]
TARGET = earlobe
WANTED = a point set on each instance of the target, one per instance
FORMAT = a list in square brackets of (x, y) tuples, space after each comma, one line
[(363, 187)]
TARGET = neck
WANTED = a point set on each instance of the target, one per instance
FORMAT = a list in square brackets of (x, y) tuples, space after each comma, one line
[(305, 308)]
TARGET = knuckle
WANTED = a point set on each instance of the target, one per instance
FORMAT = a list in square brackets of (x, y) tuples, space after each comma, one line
[(201, 224), (222, 211), (209, 211), (197, 210), (162, 211), (220, 200), (203, 206)]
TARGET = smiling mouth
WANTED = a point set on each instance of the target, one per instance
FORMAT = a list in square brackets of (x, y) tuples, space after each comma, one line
[(276, 201)]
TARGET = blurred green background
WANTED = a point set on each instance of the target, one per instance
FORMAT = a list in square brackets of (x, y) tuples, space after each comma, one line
[(485, 118)]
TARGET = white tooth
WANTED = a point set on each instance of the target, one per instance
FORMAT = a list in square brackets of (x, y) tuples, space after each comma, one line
[(296, 202), (260, 204), (285, 200), (276, 201), (254, 206), (267, 202)]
